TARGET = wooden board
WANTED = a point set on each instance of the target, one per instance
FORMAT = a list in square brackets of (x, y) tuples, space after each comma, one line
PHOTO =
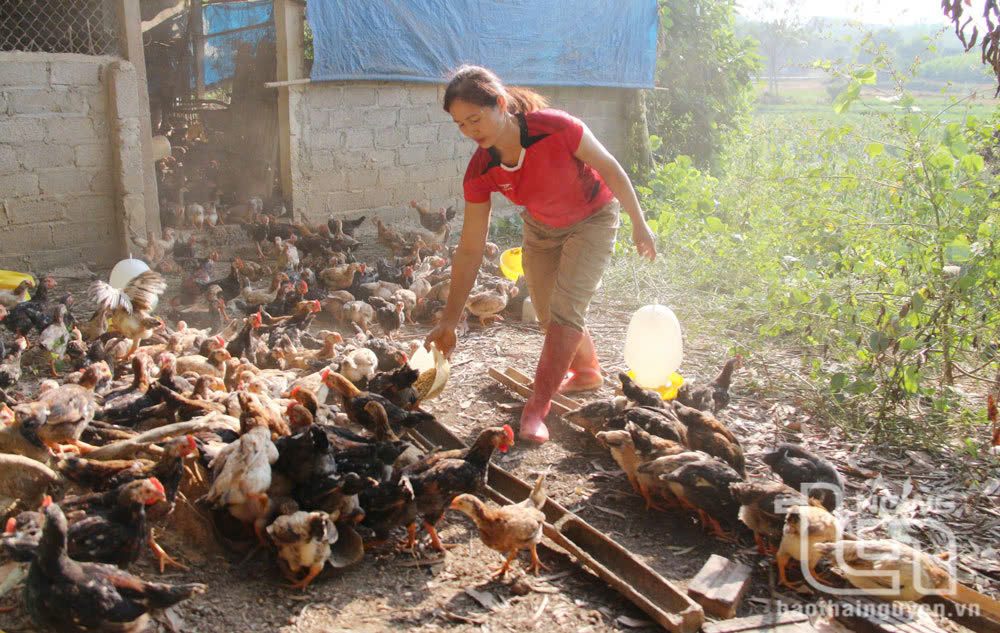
[(784, 622), (720, 585), (521, 384)]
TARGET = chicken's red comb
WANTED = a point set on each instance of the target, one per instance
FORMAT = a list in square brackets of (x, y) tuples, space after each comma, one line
[(294, 391), (47, 501), (191, 443), (11, 526), (510, 433), (324, 374), (288, 409), (220, 340), (257, 319), (157, 485), (316, 306)]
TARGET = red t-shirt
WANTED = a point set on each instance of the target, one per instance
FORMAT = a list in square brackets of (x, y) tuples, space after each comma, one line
[(555, 186)]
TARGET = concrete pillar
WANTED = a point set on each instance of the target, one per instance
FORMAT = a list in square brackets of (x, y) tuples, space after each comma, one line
[(289, 23), (126, 143), (130, 27)]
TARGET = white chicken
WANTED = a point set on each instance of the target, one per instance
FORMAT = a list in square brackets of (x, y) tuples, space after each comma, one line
[(358, 365), (359, 312), (242, 477)]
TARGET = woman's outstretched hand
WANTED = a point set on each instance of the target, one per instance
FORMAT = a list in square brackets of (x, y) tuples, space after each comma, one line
[(644, 240), (444, 337)]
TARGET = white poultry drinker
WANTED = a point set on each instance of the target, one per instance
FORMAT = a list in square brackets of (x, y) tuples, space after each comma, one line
[(125, 271), (653, 347)]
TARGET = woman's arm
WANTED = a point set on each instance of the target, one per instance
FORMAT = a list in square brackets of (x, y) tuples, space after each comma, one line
[(464, 268), (592, 152)]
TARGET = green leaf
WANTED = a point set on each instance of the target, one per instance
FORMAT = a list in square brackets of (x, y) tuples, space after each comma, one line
[(866, 76), (715, 225), (838, 381), (874, 149), (846, 98), (972, 164), (918, 302)]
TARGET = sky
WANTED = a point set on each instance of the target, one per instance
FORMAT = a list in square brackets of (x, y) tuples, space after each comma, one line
[(890, 12)]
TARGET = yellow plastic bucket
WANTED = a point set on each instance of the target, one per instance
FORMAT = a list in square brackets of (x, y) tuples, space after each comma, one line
[(10, 279), (510, 264), (667, 392)]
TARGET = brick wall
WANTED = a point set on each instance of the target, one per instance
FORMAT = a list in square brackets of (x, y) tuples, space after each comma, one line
[(61, 124), (372, 146)]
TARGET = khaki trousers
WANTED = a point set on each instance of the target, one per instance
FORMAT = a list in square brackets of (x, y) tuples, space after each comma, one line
[(563, 267)]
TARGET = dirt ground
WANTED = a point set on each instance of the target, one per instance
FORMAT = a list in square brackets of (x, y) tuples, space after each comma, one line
[(392, 590)]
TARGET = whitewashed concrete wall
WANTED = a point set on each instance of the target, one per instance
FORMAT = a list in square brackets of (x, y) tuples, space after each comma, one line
[(370, 147)]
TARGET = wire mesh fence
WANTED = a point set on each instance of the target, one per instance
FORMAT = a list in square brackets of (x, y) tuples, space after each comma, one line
[(88, 27)]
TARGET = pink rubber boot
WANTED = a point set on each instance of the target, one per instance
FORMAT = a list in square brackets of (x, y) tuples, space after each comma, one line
[(585, 370), (558, 350)]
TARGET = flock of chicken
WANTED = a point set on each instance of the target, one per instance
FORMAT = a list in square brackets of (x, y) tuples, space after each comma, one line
[(679, 456), (234, 418)]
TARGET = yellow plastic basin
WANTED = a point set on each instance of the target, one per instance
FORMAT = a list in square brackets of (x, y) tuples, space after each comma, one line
[(510, 263), (667, 392), (10, 279)]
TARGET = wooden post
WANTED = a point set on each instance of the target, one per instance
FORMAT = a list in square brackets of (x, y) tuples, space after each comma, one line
[(130, 29), (289, 24), (198, 45)]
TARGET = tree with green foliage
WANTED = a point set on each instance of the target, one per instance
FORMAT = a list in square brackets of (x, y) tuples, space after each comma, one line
[(704, 73)]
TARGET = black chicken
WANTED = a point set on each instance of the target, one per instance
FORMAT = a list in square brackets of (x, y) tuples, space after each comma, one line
[(64, 595), (644, 397), (355, 401), (808, 472), (349, 226)]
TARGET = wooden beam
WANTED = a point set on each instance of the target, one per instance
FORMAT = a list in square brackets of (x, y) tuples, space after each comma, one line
[(197, 30), (163, 16), (289, 25), (130, 28)]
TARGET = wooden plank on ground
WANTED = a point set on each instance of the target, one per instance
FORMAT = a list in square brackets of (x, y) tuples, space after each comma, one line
[(523, 389), (523, 378), (783, 622), (720, 585)]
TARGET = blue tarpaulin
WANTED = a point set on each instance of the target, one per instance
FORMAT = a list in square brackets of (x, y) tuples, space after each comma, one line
[(229, 26), (526, 42)]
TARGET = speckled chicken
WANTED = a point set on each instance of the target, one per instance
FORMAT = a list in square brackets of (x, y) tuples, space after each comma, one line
[(438, 480), (67, 596)]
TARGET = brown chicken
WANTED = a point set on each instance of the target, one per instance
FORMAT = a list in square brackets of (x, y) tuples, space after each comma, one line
[(763, 506), (60, 415), (706, 433), (713, 396), (64, 595), (255, 413), (130, 308), (303, 540), (437, 480), (390, 239), (508, 529)]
